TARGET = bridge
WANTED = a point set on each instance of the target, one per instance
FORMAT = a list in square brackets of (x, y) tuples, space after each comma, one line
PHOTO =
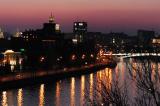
[(127, 55)]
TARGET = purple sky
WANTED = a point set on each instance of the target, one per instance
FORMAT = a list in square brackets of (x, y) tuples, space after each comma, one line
[(101, 15)]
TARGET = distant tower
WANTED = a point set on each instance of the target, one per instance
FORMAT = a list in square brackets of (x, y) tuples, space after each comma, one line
[(51, 19), (51, 28), (1, 33)]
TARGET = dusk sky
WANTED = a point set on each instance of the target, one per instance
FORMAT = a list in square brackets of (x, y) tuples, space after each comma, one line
[(101, 15)]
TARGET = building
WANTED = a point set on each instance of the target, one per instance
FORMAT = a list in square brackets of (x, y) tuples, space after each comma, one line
[(116, 38), (49, 31), (47, 48), (145, 36), (51, 27), (79, 30), (30, 35), (13, 59)]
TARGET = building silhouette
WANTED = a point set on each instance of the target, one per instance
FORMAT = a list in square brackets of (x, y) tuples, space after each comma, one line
[(80, 30), (145, 36)]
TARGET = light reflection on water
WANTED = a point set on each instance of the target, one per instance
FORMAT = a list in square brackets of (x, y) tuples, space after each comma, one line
[(72, 92), (58, 93), (91, 86), (82, 99), (20, 97), (41, 95), (4, 99), (67, 92)]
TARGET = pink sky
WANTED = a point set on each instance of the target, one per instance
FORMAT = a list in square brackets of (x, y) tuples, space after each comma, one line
[(101, 15)]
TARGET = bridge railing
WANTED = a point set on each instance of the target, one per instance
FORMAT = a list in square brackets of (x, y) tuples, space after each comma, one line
[(132, 54)]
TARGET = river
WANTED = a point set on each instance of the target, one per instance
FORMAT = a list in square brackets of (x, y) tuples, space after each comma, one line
[(72, 91)]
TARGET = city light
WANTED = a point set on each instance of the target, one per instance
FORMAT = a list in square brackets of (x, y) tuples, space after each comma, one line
[(83, 56), (92, 55), (73, 57), (79, 62), (42, 59)]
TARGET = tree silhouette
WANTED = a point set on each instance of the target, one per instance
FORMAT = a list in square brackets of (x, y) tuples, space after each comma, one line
[(144, 75)]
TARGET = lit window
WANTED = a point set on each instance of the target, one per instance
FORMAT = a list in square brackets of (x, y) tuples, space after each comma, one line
[(154, 41), (57, 27), (113, 40), (80, 24), (74, 40)]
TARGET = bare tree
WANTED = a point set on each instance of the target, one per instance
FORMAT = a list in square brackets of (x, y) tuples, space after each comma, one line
[(106, 93), (146, 76)]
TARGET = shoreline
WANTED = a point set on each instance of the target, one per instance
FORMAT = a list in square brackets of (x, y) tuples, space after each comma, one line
[(21, 79)]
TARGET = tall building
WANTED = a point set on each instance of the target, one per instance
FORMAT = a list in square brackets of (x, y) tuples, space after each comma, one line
[(79, 29), (51, 27), (50, 30), (145, 36)]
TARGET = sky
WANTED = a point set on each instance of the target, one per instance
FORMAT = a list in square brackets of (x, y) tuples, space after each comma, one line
[(101, 15)]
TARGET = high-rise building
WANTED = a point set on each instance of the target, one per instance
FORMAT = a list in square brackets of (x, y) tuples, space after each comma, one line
[(145, 36), (51, 28), (79, 29)]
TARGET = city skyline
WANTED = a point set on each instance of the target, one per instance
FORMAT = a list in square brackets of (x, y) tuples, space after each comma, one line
[(101, 15)]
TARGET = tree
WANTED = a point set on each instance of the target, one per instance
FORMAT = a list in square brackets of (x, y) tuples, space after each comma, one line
[(147, 79), (144, 75), (106, 93)]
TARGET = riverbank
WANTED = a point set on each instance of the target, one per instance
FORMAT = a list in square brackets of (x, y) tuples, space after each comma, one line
[(24, 78)]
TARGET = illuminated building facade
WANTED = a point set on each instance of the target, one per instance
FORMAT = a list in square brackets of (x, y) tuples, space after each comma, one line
[(30, 35), (156, 41), (12, 58), (79, 29)]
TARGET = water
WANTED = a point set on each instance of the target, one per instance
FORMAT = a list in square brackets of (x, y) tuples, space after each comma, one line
[(66, 92)]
